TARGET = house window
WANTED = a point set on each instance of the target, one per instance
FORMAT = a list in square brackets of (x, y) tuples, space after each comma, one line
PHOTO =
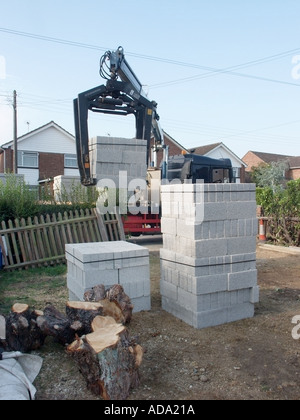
[(71, 161), (236, 172), (28, 159)]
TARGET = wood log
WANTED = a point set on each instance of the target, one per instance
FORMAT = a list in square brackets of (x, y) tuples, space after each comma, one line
[(114, 300), (55, 324), (116, 294), (82, 314), (108, 359), (22, 332), (96, 294), (76, 322)]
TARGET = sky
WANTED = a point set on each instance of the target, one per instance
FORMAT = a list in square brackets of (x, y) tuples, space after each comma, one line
[(219, 70)]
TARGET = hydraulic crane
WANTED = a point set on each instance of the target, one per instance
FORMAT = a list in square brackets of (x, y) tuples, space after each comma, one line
[(119, 97), (123, 95)]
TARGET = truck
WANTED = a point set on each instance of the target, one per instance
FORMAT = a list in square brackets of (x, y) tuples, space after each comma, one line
[(123, 95)]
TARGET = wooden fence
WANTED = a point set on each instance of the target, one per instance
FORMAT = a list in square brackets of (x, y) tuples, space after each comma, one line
[(41, 241)]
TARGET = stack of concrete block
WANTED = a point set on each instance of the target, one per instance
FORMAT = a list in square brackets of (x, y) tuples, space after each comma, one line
[(208, 261), (110, 263), (111, 155)]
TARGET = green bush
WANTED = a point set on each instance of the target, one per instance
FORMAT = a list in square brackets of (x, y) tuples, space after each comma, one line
[(16, 198), (282, 206), (18, 201)]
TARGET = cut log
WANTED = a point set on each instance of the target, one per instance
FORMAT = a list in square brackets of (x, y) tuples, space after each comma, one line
[(55, 324), (108, 359), (20, 308), (96, 294), (83, 313), (114, 300), (22, 331), (116, 294)]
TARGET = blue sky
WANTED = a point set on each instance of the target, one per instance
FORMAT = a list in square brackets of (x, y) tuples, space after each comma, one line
[(219, 70)]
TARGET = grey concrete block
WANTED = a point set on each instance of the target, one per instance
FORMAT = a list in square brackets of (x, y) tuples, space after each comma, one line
[(243, 257), (107, 277), (169, 226), (254, 294), (211, 247), (138, 274), (135, 289), (241, 210), (211, 318), (178, 311), (76, 288), (243, 266), (142, 303), (242, 280), (215, 212), (241, 245), (240, 312), (73, 297), (169, 290), (210, 284)]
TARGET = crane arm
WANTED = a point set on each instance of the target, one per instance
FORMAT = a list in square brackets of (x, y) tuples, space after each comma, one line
[(118, 98)]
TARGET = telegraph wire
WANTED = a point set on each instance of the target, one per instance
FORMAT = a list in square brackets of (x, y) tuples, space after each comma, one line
[(211, 71)]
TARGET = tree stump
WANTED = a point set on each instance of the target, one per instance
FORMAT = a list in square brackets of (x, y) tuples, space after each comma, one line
[(108, 359)]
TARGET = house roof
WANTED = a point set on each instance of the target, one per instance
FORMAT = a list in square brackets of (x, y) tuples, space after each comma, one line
[(294, 162), (271, 157), (206, 149), (203, 150), (38, 130), (175, 141)]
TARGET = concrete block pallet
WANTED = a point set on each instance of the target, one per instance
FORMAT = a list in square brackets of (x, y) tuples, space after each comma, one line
[(110, 263), (113, 155), (208, 261)]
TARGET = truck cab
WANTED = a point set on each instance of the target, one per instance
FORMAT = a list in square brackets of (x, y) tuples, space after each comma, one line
[(199, 168)]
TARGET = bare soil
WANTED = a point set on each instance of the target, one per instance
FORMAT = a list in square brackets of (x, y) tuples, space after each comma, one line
[(252, 359)]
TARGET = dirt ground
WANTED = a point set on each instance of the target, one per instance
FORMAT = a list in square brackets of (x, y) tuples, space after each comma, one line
[(251, 359)]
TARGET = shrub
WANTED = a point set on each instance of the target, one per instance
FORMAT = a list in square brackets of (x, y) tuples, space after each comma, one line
[(18, 201), (282, 206), (16, 198)]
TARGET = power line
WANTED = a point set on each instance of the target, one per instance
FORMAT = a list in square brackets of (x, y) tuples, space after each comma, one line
[(221, 71), (52, 39), (210, 70)]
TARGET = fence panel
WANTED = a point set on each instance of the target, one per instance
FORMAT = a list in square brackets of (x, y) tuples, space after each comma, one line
[(41, 241)]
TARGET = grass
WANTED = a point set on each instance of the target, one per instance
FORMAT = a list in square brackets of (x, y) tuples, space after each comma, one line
[(38, 286), (35, 287)]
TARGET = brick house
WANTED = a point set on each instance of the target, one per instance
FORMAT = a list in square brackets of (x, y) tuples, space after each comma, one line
[(254, 159), (175, 148), (294, 172), (43, 153)]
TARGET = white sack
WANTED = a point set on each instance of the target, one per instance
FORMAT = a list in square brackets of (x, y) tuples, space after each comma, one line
[(17, 373)]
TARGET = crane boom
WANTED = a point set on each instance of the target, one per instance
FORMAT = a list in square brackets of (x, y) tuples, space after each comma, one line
[(118, 97)]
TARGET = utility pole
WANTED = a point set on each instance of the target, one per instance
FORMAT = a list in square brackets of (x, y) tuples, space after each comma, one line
[(15, 133)]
